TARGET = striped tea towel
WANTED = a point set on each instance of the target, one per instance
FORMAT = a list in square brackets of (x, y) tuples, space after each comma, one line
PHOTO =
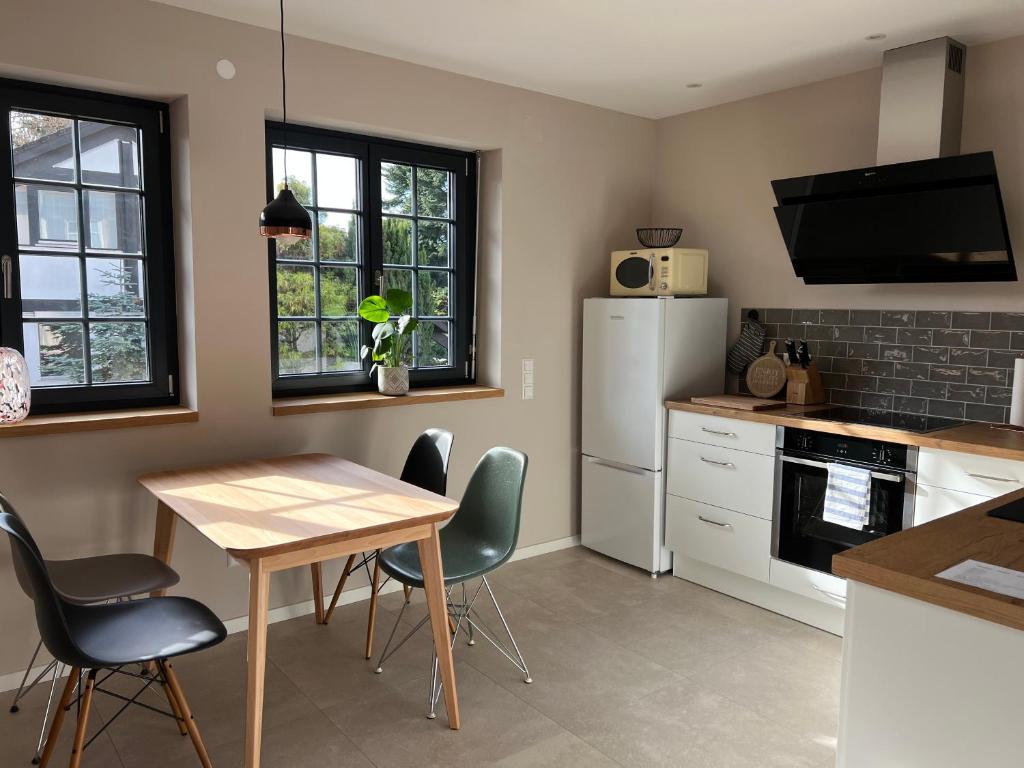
[(847, 496)]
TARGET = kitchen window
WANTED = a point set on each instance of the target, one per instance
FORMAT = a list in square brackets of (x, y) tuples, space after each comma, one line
[(386, 214), (85, 247)]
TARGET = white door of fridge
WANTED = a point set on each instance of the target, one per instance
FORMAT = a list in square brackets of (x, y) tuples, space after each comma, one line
[(623, 513), (622, 414)]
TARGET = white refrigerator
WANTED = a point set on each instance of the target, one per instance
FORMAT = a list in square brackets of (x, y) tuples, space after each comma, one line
[(637, 353)]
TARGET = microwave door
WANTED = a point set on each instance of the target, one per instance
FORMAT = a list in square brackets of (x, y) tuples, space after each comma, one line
[(635, 273)]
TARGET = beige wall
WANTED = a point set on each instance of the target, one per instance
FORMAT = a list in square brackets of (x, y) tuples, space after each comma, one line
[(564, 184), (714, 167)]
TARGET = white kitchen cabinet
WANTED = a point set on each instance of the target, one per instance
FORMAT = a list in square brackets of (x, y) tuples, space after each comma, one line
[(725, 433), (931, 503), (720, 537), (722, 477), (981, 475)]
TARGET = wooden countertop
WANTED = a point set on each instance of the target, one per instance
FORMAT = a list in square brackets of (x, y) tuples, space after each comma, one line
[(906, 562), (982, 439)]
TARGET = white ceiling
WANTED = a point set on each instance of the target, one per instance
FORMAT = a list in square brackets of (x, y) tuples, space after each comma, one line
[(634, 56)]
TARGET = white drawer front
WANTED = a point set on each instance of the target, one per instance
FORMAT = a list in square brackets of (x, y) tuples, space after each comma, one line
[(720, 537), (931, 503), (722, 477), (727, 433), (981, 475), (825, 587)]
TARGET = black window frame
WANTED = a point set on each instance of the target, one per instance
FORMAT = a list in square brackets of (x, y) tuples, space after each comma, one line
[(371, 151), (152, 118)]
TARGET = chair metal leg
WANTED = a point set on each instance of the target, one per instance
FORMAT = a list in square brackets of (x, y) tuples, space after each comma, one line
[(58, 716), (21, 686), (83, 720), (190, 722), (337, 590), (408, 592), (521, 664), (372, 619), (57, 667), (388, 651)]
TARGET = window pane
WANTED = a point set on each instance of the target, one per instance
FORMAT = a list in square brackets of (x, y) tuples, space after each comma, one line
[(54, 353), (110, 154), (432, 192), (339, 236), (397, 236), (295, 292), (397, 278), (300, 174), (432, 243), (431, 293), (294, 248), (47, 217), (115, 221), (296, 347), (337, 182), (42, 146), (432, 344), (51, 286), (117, 352), (339, 291), (116, 287), (395, 188), (340, 345)]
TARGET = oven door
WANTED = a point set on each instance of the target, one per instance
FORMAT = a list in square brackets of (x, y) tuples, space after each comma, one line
[(804, 538)]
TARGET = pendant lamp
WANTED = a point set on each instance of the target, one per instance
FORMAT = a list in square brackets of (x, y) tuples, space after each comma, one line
[(284, 218)]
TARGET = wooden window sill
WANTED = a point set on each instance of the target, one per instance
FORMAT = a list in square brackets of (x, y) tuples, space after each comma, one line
[(353, 401), (60, 423)]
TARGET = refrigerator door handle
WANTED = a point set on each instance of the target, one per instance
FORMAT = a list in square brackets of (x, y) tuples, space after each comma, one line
[(616, 465)]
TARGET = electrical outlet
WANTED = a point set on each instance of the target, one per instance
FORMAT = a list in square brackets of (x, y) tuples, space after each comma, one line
[(527, 378)]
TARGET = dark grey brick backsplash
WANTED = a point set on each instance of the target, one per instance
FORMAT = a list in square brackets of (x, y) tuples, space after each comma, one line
[(921, 363)]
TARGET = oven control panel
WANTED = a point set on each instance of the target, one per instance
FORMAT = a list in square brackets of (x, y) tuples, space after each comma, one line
[(840, 448)]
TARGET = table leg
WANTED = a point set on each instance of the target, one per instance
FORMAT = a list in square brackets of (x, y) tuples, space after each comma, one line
[(163, 537), (259, 592), (433, 586), (318, 592)]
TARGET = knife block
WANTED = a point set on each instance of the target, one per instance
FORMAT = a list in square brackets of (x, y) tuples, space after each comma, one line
[(803, 385)]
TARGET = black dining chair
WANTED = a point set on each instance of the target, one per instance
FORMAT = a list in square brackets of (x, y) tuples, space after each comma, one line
[(108, 637), (426, 467)]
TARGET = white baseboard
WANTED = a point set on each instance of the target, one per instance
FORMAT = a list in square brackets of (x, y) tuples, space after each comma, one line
[(12, 680)]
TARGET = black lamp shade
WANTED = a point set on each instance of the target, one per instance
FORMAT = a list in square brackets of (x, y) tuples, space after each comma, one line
[(284, 216)]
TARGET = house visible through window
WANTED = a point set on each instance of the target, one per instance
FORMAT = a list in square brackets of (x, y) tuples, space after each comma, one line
[(85, 221), (387, 215)]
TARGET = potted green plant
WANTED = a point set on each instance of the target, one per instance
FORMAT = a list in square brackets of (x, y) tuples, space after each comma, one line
[(392, 331)]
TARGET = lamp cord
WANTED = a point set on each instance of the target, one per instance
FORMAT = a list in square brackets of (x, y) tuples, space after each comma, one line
[(284, 100)]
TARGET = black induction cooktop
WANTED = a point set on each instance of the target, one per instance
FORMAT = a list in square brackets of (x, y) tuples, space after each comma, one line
[(909, 422)]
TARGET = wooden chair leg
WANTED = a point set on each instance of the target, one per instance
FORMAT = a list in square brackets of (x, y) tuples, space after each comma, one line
[(372, 620), (337, 590), (58, 717), (178, 717), (317, 573), (83, 720), (190, 722)]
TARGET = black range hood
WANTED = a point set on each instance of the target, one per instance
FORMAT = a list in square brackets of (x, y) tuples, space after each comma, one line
[(936, 220)]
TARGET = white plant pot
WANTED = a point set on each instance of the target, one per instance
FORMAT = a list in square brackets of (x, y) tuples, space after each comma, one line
[(393, 381)]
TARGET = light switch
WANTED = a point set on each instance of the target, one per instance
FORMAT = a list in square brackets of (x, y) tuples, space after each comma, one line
[(527, 378)]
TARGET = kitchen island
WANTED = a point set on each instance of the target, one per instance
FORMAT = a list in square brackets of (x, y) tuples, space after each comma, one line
[(933, 670)]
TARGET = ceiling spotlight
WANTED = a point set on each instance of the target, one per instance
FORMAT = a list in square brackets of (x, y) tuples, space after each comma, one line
[(875, 36), (694, 85)]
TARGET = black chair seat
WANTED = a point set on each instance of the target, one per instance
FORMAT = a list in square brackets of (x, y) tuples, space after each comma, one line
[(109, 577), (464, 557), (142, 630)]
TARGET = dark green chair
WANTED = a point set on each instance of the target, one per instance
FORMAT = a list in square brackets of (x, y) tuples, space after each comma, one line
[(481, 536)]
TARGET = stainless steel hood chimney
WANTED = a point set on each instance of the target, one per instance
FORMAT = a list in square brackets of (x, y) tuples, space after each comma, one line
[(922, 104), (925, 213)]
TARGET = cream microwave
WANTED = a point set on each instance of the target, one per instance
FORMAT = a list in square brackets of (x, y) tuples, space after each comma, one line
[(660, 272)]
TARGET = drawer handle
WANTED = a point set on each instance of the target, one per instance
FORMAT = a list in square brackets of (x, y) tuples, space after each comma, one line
[(835, 596), (718, 432), (727, 464), (713, 522), (991, 477)]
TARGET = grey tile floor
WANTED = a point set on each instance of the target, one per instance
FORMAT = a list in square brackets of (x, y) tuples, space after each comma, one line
[(628, 671)]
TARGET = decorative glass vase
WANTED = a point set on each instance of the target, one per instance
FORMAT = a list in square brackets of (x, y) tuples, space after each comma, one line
[(393, 381), (15, 387)]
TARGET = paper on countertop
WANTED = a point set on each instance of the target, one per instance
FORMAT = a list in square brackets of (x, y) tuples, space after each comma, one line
[(994, 578)]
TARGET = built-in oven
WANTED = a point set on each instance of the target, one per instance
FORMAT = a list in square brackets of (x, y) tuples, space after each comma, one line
[(801, 534)]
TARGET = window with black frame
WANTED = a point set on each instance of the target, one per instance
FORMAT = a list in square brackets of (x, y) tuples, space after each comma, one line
[(387, 215), (86, 246)]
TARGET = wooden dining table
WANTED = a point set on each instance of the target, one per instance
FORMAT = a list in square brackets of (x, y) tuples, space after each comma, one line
[(292, 511)]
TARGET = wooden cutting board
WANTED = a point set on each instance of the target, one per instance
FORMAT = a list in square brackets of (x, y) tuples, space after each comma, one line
[(739, 402), (766, 376)]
